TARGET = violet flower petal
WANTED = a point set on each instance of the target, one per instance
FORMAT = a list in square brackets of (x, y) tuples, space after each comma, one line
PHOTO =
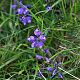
[(45, 50), (60, 75), (49, 69), (47, 59), (20, 10), (54, 73), (33, 44), (42, 38), (13, 6), (31, 39), (28, 6), (39, 57), (48, 8), (46, 0), (37, 32), (39, 44)]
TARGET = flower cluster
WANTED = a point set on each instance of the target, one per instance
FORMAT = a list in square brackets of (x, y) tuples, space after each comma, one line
[(22, 11), (54, 70), (46, 0), (37, 40), (45, 51), (48, 7), (39, 57)]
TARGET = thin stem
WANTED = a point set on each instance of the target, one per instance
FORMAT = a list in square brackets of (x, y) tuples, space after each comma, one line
[(69, 73), (42, 75)]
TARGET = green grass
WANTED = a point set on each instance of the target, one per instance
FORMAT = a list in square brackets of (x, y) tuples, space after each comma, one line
[(62, 29)]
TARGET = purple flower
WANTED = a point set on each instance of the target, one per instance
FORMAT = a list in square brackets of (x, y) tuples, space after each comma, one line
[(23, 10), (47, 59), (46, 0), (21, 1), (57, 64), (49, 69), (38, 42), (39, 57), (15, 1), (48, 8), (37, 32), (28, 18), (20, 10), (26, 11), (13, 6), (54, 73), (60, 75), (42, 38), (31, 39), (33, 44), (45, 50), (28, 6), (39, 74), (25, 19)]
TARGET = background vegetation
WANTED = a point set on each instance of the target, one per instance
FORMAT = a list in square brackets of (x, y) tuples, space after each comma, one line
[(61, 26)]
